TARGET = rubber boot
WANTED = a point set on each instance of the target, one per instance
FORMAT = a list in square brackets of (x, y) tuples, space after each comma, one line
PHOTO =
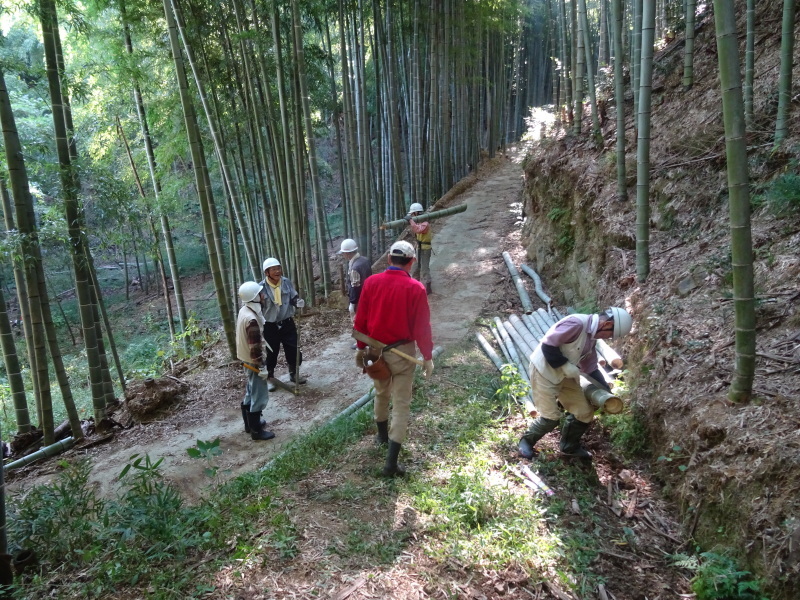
[(271, 387), (257, 431), (428, 289), (538, 429), (392, 469), (382, 437), (298, 379), (245, 412), (571, 435)]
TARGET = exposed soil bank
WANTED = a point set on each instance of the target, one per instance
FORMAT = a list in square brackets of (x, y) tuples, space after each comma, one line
[(740, 489)]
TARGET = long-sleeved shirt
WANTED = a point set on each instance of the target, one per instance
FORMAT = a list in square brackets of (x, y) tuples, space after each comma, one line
[(278, 312), (249, 342), (566, 331), (358, 271), (394, 307), (423, 233)]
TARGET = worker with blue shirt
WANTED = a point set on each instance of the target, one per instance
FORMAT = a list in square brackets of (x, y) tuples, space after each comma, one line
[(282, 301)]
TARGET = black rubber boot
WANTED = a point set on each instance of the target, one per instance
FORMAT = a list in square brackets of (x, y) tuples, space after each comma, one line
[(257, 431), (245, 412), (382, 437), (298, 379), (571, 435), (538, 429), (392, 469), (428, 289)]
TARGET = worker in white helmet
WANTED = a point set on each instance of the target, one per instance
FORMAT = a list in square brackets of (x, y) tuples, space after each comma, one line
[(424, 235), (565, 351), (250, 350), (279, 326), (358, 269)]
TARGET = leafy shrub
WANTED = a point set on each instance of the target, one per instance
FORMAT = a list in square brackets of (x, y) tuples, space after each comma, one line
[(718, 578), (782, 196)]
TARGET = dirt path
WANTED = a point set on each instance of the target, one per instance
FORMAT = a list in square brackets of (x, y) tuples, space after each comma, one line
[(464, 267)]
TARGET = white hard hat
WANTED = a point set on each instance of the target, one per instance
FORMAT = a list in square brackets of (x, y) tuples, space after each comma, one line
[(270, 262), (403, 249), (348, 245), (249, 291), (416, 207), (622, 321)]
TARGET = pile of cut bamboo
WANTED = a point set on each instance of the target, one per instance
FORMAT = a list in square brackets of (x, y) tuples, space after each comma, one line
[(519, 335)]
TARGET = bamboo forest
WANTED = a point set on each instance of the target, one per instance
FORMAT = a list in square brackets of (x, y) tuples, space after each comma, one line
[(551, 163)]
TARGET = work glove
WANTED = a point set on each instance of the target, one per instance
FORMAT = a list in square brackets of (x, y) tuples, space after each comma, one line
[(360, 354), (570, 371), (352, 309), (297, 302), (263, 374), (407, 218), (427, 368)]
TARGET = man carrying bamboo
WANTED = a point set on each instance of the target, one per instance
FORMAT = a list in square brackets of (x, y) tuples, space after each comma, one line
[(424, 236), (393, 310), (279, 326), (566, 350)]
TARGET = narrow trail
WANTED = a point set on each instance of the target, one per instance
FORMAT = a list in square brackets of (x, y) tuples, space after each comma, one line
[(467, 250)]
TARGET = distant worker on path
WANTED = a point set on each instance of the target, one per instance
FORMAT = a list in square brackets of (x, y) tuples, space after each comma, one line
[(279, 326), (424, 236), (566, 350), (358, 269), (250, 350), (394, 310)]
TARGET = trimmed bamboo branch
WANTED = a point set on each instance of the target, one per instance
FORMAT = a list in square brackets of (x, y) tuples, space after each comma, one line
[(437, 214), (527, 306)]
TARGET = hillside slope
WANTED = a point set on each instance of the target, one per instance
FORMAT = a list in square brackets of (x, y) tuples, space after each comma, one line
[(740, 492)]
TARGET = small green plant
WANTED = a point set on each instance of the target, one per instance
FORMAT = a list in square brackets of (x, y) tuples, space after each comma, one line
[(676, 454), (512, 388), (782, 197), (628, 433), (719, 578), (193, 339), (207, 451), (557, 213)]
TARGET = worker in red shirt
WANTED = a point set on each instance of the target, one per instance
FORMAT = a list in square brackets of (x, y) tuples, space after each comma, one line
[(393, 309)]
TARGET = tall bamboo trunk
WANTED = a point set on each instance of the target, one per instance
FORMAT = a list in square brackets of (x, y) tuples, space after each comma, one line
[(643, 144), (619, 100), (738, 201)]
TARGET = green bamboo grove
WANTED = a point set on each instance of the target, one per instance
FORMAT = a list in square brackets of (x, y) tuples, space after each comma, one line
[(262, 128)]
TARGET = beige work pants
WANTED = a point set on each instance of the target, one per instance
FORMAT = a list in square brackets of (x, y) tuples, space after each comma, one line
[(546, 395), (396, 389), (422, 268)]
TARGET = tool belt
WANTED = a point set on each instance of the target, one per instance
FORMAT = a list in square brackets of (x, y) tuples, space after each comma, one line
[(379, 369)]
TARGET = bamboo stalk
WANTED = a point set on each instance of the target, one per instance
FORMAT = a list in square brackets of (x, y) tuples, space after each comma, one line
[(537, 284), (431, 216), (50, 450), (527, 306)]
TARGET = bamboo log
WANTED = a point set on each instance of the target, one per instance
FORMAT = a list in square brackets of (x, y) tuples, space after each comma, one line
[(533, 326), (524, 349), (431, 216), (525, 333), (490, 351), (50, 450), (611, 356), (537, 284), (527, 306), (515, 357), (530, 410), (498, 338)]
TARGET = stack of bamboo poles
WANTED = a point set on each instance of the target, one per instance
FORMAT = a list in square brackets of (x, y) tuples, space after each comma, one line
[(519, 335)]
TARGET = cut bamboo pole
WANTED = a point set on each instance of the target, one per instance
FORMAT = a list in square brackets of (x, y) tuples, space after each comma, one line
[(518, 340), (525, 333), (537, 284), (498, 338), (515, 357), (431, 216), (490, 351), (532, 326), (50, 450), (527, 306)]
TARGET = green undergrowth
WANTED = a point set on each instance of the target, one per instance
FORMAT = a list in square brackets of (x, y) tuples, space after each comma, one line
[(464, 503)]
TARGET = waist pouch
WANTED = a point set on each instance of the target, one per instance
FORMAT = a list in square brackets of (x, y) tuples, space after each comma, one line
[(379, 369)]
